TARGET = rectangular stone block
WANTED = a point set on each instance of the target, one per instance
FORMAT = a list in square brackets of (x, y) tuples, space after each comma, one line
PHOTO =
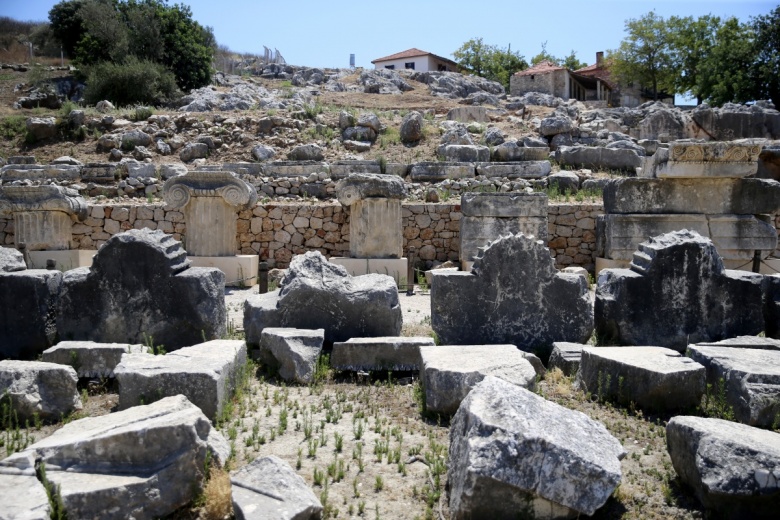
[(504, 205), (701, 195), (90, 359), (342, 169), (375, 228), (239, 168), (43, 230), (37, 172), (566, 356), (98, 172), (736, 237), (439, 171), (515, 170), (395, 267), (711, 159), (206, 374), (294, 168), (387, 353)]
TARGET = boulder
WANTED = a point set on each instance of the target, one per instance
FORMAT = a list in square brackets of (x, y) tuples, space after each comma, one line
[(206, 374), (749, 378), (456, 134), (315, 294), (494, 136), (168, 171), (357, 133), (566, 357), (28, 316), (733, 121), (412, 128), (464, 153), (677, 292), (41, 127), (11, 260), (346, 119), (142, 463), (47, 390), (555, 124), (306, 152), (388, 353), (734, 469), (598, 158), (360, 186), (653, 378), (90, 359), (262, 152), (294, 352), (193, 151), (269, 488), (512, 295), (449, 372), (135, 138), (369, 120), (140, 289), (566, 182), (513, 452), (104, 106)]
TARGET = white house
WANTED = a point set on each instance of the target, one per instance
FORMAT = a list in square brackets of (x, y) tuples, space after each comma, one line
[(415, 59)]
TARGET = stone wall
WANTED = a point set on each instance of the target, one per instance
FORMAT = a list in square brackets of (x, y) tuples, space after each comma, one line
[(277, 231)]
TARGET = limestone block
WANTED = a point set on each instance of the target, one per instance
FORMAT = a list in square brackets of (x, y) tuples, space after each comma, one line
[(597, 157), (515, 170), (362, 186), (736, 237), (375, 229), (566, 356), (206, 374), (510, 152), (384, 353), (653, 378), (90, 359), (11, 260), (315, 294), (692, 297), (513, 295), (464, 153), (269, 488), (343, 169), (294, 168), (140, 286), (38, 172), (750, 379), (143, 463), (734, 469), (293, 351), (47, 390), (511, 450), (449, 372), (745, 342), (685, 159), (439, 171), (703, 195), (468, 114), (504, 205), (23, 496), (28, 302)]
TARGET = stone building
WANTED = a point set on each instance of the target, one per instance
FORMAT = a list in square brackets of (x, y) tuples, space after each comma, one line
[(548, 78)]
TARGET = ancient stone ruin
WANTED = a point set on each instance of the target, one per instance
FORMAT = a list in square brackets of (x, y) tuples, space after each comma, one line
[(513, 295), (43, 223), (141, 289), (210, 200), (697, 186)]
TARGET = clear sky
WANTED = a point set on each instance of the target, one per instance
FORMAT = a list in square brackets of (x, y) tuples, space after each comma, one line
[(324, 33)]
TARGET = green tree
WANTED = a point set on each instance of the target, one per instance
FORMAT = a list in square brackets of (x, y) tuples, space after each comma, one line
[(571, 62), (67, 25), (766, 67), (544, 56), (645, 55), (692, 41), (728, 71), (489, 61)]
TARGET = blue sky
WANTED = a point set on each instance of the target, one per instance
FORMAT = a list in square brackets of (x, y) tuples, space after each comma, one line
[(323, 34)]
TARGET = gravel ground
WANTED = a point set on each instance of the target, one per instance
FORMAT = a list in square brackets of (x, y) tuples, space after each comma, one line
[(416, 309)]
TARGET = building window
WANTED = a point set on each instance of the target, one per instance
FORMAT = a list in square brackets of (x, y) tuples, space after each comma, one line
[(532, 77), (409, 65), (442, 68), (391, 67)]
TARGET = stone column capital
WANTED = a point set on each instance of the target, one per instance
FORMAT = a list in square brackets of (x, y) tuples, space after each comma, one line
[(178, 190), (19, 199)]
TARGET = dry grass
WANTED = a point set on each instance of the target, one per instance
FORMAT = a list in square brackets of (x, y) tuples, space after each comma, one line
[(218, 502)]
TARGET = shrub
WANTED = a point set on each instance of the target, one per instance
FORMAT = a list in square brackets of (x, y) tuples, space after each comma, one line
[(132, 82)]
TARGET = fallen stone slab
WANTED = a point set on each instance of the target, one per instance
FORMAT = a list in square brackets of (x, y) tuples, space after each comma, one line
[(693, 298), (734, 469), (143, 463), (206, 374), (90, 359), (513, 295), (388, 353), (598, 157), (683, 159), (141, 288), (515, 170), (22, 495), (28, 300), (513, 451), (47, 390), (449, 372), (744, 342), (750, 378), (439, 171), (343, 169), (510, 152), (566, 357), (294, 352), (269, 488), (653, 378), (316, 294)]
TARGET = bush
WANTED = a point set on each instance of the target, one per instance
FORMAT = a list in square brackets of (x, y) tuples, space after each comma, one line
[(129, 83)]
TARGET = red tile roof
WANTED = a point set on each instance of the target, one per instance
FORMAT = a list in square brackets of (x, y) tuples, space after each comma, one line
[(542, 67), (412, 53), (599, 72)]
